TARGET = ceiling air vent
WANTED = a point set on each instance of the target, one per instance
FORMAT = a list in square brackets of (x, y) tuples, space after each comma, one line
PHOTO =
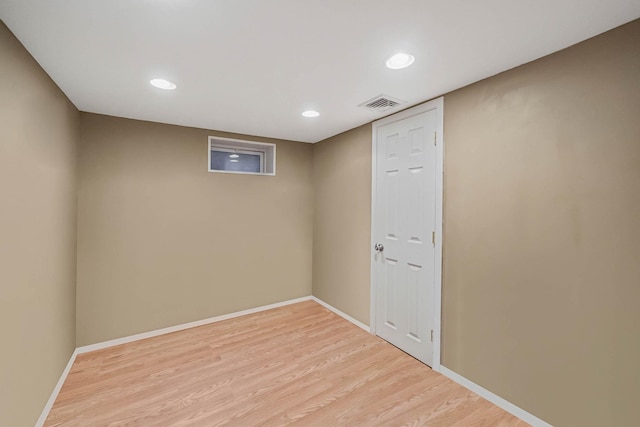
[(382, 103)]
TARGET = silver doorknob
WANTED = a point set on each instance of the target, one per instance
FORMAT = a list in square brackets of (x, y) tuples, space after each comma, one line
[(378, 247)]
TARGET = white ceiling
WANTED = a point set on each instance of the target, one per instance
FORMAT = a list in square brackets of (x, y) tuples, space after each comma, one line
[(252, 66)]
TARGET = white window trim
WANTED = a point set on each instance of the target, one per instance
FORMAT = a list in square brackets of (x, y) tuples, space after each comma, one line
[(239, 146)]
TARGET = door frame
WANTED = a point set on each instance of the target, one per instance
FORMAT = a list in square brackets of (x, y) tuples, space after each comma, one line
[(438, 105)]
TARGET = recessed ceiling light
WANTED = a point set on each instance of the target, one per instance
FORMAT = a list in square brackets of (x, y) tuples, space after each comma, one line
[(310, 113), (233, 156), (400, 60), (163, 84)]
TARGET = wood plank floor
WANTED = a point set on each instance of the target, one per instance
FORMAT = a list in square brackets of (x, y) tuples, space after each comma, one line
[(300, 364)]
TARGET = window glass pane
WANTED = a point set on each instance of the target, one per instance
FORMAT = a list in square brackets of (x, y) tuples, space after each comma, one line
[(232, 155), (236, 162)]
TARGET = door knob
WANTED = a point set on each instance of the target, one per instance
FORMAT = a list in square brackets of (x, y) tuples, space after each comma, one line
[(378, 247)]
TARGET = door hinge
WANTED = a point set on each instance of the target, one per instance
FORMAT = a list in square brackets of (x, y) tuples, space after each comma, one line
[(435, 138), (432, 335), (433, 238)]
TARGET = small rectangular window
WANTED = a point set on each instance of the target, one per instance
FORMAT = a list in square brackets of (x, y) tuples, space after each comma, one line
[(236, 156), (225, 159)]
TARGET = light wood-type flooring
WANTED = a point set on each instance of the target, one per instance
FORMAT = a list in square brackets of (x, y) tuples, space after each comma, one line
[(300, 364)]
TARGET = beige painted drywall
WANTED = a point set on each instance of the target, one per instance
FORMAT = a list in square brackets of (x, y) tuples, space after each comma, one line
[(542, 231), (162, 241), (38, 143), (342, 221)]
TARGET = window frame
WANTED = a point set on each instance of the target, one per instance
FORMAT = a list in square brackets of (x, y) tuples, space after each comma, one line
[(230, 145)]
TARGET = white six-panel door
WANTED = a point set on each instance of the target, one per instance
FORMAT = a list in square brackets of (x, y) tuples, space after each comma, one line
[(404, 231)]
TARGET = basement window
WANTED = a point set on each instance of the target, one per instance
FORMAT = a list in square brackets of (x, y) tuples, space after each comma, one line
[(238, 156)]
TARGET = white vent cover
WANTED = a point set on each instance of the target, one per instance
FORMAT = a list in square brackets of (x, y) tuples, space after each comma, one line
[(382, 103)]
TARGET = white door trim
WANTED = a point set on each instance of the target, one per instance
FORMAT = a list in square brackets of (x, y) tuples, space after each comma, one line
[(438, 105)]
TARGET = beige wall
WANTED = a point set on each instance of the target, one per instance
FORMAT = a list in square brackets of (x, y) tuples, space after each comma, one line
[(161, 241), (38, 142), (542, 231), (342, 221)]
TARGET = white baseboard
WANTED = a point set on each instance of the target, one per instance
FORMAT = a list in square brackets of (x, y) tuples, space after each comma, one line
[(494, 398), (341, 314), (157, 332), (56, 390)]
